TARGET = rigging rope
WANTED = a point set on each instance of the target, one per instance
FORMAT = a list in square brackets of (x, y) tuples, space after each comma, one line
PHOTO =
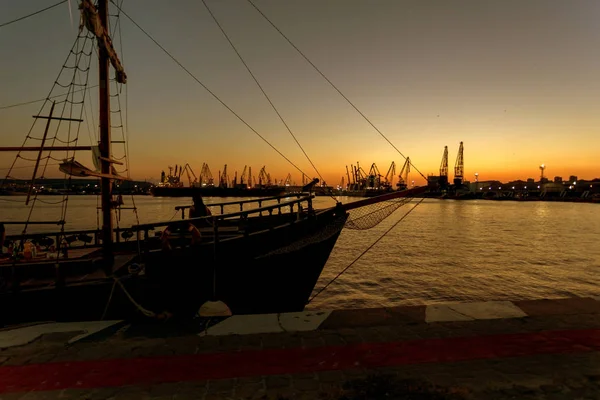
[(79, 55), (206, 88), (21, 167), (262, 89), (45, 98), (39, 112), (32, 14), (364, 252), (332, 84), (80, 65), (127, 165)]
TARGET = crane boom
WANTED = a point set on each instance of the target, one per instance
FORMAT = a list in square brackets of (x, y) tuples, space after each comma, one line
[(374, 177), (187, 168), (389, 176), (288, 180), (444, 164), (223, 178), (206, 177), (244, 177), (459, 167), (348, 175), (403, 177)]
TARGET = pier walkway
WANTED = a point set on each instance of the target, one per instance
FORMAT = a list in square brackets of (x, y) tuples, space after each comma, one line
[(538, 349)]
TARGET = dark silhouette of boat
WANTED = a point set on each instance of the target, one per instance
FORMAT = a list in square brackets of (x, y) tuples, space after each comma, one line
[(253, 264), (261, 260)]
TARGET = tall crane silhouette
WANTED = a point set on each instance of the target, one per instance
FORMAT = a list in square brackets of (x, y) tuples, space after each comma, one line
[(459, 167)]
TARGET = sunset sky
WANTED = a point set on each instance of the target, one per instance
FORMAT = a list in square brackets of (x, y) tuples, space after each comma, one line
[(517, 81)]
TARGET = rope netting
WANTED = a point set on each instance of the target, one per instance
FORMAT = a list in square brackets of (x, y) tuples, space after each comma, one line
[(361, 218), (367, 217)]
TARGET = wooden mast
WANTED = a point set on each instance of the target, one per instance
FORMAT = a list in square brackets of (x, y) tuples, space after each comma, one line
[(104, 145)]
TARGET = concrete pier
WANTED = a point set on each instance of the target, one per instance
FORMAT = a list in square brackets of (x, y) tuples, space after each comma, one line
[(492, 350)]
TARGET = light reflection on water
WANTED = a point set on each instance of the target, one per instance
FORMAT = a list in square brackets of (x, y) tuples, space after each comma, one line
[(444, 251), (469, 251)]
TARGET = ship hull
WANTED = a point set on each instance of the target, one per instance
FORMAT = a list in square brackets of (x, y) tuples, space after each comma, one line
[(266, 271), (212, 191)]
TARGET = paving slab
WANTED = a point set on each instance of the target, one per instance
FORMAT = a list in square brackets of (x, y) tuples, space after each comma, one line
[(22, 335), (407, 314), (489, 310), (442, 313), (576, 305), (251, 324), (357, 318)]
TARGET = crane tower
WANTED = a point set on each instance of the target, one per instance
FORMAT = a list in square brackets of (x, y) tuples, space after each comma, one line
[(443, 179), (459, 167), (444, 164)]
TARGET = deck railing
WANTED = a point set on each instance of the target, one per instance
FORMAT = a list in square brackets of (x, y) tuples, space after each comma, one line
[(94, 236), (241, 203), (242, 214), (217, 220)]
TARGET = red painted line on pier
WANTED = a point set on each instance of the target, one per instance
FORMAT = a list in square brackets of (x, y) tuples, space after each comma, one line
[(153, 370)]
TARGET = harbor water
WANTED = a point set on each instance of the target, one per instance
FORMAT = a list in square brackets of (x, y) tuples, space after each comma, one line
[(444, 251)]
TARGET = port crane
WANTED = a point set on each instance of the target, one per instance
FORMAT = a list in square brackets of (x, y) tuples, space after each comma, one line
[(374, 177), (177, 175), (443, 178), (459, 167), (348, 175), (288, 180), (403, 177), (264, 179), (223, 178), (389, 177), (246, 178), (173, 178), (187, 168), (359, 177), (243, 177), (444, 164), (206, 177)]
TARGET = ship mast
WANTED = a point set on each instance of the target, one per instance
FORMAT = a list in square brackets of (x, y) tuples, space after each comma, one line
[(104, 144)]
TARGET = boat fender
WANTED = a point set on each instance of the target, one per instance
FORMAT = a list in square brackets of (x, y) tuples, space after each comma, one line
[(214, 309)]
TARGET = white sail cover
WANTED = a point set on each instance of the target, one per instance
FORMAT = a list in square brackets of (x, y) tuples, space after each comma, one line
[(96, 158), (75, 168)]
